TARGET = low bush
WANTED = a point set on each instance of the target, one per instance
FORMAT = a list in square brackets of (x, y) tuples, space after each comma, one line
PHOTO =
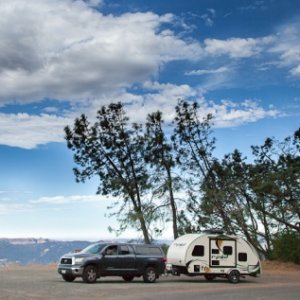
[(286, 247)]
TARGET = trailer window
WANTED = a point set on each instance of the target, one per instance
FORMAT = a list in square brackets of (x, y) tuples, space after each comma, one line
[(227, 250), (215, 262), (214, 251), (198, 251), (242, 256)]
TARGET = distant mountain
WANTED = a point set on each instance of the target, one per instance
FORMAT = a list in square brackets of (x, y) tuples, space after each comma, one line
[(36, 251), (43, 251)]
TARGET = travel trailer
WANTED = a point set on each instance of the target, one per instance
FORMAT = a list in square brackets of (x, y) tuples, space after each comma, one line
[(213, 254)]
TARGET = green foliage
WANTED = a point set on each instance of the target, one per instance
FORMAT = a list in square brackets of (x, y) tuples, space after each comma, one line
[(258, 199), (165, 248), (194, 146), (160, 155), (287, 247), (112, 149), (168, 173)]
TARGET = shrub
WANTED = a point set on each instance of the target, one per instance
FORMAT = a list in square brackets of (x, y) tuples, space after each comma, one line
[(286, 247)]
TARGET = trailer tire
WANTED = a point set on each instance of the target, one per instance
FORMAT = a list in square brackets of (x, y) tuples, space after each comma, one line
[(209, 277), (149, 275), (234, 276)]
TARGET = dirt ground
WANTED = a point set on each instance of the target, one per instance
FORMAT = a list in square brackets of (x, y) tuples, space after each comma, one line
[(278, 281)]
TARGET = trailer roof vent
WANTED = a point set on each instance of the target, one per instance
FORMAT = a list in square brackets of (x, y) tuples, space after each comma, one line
[(214, 231)]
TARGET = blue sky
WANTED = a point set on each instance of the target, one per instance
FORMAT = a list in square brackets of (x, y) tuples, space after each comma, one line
[(59, 58)]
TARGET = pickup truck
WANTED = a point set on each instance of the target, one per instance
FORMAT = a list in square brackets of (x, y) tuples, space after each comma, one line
[(105, 259)]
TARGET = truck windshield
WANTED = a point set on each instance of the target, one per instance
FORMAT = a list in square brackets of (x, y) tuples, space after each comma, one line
[(93, 249)]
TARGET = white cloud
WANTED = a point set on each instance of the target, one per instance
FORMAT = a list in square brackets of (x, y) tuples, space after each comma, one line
[(212, 11), (93, 3), (59, 200), (28, 131), (237, 47), (209, 17), (207, 72), (9, 208), (255, 5), (230, 114), (67, 50), (163, 97), (280, 50), (50, 109), (287, 47), (296, 71)]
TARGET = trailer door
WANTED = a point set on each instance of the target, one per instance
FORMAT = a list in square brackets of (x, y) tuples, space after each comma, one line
[(222, 252)]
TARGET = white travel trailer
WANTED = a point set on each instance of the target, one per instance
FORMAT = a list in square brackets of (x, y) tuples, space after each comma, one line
[(213, 254)]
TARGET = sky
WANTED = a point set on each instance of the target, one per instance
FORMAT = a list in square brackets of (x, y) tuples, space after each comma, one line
[(239, 59)]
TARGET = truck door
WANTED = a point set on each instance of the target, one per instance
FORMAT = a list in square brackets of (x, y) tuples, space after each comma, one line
[(111, 260), (127, 258), (222, 252)]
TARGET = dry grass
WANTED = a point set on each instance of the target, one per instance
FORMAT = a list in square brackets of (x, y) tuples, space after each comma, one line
[(13, 267), (277, 266)]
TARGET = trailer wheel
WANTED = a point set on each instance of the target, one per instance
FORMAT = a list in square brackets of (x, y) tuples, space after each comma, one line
[(209, 277), (149, 275), (89, 274), (234, 276)]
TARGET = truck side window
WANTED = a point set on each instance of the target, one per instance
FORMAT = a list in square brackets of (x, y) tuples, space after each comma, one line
[(142, 250), (198, 251), (124, 250), (112, 250), (154, 251)]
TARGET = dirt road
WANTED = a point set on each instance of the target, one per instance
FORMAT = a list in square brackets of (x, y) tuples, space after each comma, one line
[(42, 282)]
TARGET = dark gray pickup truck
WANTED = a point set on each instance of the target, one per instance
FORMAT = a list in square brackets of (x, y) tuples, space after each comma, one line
[(103, 259)]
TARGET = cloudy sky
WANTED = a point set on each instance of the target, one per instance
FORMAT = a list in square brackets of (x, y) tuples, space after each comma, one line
[(240, 59)]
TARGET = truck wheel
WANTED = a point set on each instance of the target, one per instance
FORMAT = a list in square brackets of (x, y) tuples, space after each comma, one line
[(149, 275), (68, 278), (128, 278), (89, 274), (209, 277), (234, 276)]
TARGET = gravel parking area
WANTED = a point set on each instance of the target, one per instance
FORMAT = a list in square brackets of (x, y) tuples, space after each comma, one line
[(43, 282)]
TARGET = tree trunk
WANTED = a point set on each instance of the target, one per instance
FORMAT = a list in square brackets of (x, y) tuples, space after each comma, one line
[(173, 205), (147, 239)]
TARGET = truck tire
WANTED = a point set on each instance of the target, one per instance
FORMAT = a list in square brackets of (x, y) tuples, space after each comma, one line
[(149, 275), (234, 276), (68, 278), (128, 278), (89, 274)]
